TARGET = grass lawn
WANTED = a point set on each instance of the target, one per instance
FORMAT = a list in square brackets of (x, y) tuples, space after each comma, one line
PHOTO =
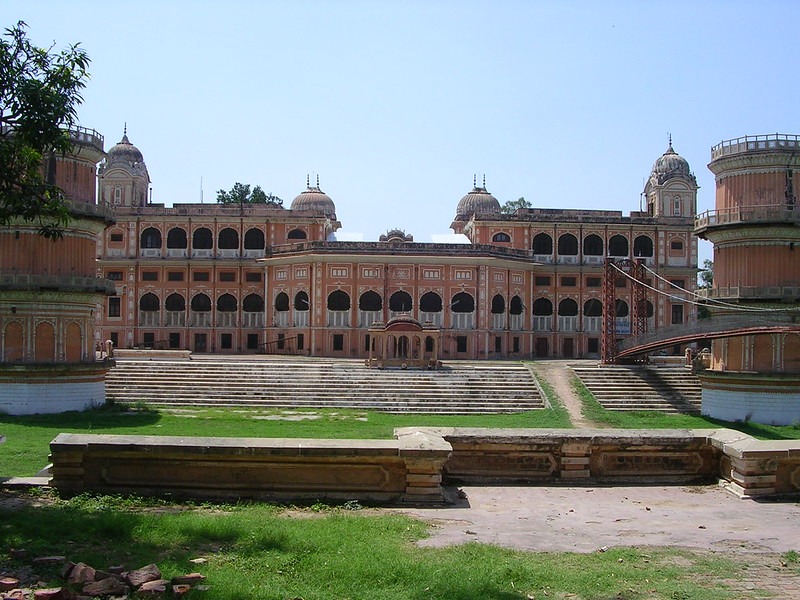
[(264, 552), (639, 419), (28, 437)]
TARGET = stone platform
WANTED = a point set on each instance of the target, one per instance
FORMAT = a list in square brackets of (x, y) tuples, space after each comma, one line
[(420, 463)]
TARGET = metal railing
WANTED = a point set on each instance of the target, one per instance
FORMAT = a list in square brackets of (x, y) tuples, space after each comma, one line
[(756, 143), (768, 213), (10, 281)]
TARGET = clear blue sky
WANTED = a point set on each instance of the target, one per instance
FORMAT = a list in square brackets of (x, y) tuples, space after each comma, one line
[(395, 105)]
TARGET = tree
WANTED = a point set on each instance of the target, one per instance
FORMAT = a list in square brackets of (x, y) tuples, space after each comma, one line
[(40, 91), (241, 194), (510, 207), (705, 280)]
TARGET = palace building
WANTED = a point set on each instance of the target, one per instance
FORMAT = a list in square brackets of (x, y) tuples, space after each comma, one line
[(264, 278)]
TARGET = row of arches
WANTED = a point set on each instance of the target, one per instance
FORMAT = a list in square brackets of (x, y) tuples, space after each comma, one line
[(201, 303), (593, 245), (203, 238), (371, 301), (593, 307), (15, 348)]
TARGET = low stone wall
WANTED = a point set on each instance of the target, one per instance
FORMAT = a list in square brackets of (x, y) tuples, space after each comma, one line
[(419, 464), (602, 456), (746, 466), (387, 471), (143, 354)]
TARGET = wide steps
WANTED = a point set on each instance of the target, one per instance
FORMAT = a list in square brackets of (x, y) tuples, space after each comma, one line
[(664, 389), (461, 389)]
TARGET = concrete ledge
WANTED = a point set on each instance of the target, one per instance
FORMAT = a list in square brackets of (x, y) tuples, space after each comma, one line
[(417, 466), (385, 471), (148, 354)]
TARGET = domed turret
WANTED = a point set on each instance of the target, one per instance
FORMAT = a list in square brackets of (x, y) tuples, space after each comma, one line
[(671, 189), (314, 200), (124, 180), (669, 165), (124, 152), (478, 201)]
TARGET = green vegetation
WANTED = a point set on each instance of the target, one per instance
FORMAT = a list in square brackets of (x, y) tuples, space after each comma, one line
[(242, 194), (264, 552), (40, 91), (28, 437), (656, 420)]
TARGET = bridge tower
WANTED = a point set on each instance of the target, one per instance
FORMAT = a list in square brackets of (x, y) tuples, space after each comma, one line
[(49, 295), (755, 229)]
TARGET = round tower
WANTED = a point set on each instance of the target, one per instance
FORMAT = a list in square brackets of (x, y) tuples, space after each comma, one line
[(49, 294), (755, 229)]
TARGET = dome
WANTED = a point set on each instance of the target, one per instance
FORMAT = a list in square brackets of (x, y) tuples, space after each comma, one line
[(125, 152), (396, 235), (477, 201), (403, 322), (314, 200), (669, 165)]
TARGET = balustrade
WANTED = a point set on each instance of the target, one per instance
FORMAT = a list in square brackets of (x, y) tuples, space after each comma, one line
[(463, 320), (367, 317), (176, 318), (338, 318), (149, 318)]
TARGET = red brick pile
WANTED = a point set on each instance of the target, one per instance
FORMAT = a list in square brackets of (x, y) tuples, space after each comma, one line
[(83, 582)]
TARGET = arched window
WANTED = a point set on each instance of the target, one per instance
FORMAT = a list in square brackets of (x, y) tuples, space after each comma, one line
[(593, 308), (498, 305), (568, 308), (463, 303), (501, 237), (620, 308), (301, 301), (430, 302), (370, 301), (542, 244), (202, 239), (338, 300), (175, 303), (14, 342), (296, 234), (151, 238), (254, 239), (542, 307), (516, 306), (649, 309), (400, 302), (201, 303), (149, 303), (45, 342), (567, 245), (226, 303), (228, 239), (253, 303), (593, 245), (643, 247), (618, 246), (73, 343), (176, 238), (282, 302)]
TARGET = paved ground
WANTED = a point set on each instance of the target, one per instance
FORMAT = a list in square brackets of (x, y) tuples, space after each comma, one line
[(704, 519), (584, 519)]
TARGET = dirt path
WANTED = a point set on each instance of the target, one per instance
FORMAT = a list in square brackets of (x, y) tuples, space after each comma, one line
[(559, 376)]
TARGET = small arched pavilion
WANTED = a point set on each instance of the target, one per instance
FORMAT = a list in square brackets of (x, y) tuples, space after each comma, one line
[(405, 343)]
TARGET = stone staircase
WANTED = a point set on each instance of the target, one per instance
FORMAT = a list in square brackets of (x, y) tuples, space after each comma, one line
[(303, 383), (664, 389)]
